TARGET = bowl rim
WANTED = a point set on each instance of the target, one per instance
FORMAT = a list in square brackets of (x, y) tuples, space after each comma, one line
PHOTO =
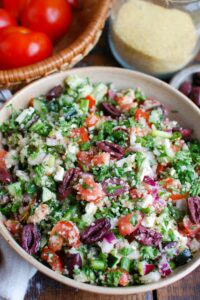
[(71, 282), (181, 76)]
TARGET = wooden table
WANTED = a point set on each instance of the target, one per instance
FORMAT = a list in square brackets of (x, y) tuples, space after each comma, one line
[(44, 288)]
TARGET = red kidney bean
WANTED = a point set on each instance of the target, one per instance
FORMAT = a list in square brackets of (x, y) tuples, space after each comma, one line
[(5, 176), (194, 209), (30, 239), (114, 187), (71, 261), (96, 232), (186, 88), (148, 237), (111, 109), (70, 178), (195, 95), (115, 150), (54, 92)]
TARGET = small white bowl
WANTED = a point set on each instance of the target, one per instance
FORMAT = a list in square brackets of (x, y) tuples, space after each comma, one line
[(184, 75)]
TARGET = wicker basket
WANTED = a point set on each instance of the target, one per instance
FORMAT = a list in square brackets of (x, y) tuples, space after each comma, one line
[(85, 32)]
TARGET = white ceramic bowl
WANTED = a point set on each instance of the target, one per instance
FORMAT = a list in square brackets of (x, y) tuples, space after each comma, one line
[(184, 75), (188, 115)]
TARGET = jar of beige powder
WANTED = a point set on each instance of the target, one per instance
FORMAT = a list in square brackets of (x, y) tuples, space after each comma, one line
[(158, 37)]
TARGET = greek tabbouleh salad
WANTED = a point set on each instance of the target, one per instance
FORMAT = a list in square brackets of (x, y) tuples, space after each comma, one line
[(99, 185)]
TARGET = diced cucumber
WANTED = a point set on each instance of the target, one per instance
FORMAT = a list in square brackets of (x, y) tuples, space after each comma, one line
[(125, 263), (160, 133), (39, 105), (98, 264), (47, 195), (84, 106), (15, 190)]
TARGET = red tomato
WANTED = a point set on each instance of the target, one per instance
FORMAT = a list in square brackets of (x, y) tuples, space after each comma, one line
[(89, 190), (52, 259), (68, 231), (92, 102), (139, 113), (14, 7), (84, 158), (13, 226), (189, 228), (3, 154), (55, 242), (101, 159), (52, 17), (129, 223), (73, 3), (6, 19), (81, 133), (124, 278), (20, 47), (92, 120)]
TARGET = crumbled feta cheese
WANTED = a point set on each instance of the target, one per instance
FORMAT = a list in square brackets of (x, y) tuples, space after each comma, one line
[(40, 214), (11, 159), (149, 221), (151, 277), (26, 112), (60, 172)]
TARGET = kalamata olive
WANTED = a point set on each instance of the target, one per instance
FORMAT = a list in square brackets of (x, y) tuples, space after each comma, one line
[(196, 78), (73, 260), (54, 92), (186, 88), (183, 257), (111, 110), (148, 237), (70, 178), (195, 95), (114, 187), (115, 150), (5, 176), (194, 209), (186, 132), (30, 239), (96, 232)]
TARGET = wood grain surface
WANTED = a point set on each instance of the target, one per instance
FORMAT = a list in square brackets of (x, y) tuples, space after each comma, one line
[(44, 288)]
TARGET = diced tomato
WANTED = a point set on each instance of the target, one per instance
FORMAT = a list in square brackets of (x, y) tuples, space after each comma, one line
[(13, 226), (84, 159), (176, 197), (124, 278), (189, 228), (80, 133), (129, 223), (161, 168), (125, 102), (52, 259), (139, 113), (101, 159), (55, 242), (170, 183), (92, 102), (135, 194), (89, 190), (92, 120), (68, 231), (3, 154)]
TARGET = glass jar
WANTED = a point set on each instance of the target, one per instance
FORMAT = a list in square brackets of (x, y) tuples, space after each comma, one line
[(158, 37)]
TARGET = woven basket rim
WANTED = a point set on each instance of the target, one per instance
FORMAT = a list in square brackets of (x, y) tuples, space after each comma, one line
[(79, 47)]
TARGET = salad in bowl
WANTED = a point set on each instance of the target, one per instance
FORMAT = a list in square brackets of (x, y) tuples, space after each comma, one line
[(100, 185)]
